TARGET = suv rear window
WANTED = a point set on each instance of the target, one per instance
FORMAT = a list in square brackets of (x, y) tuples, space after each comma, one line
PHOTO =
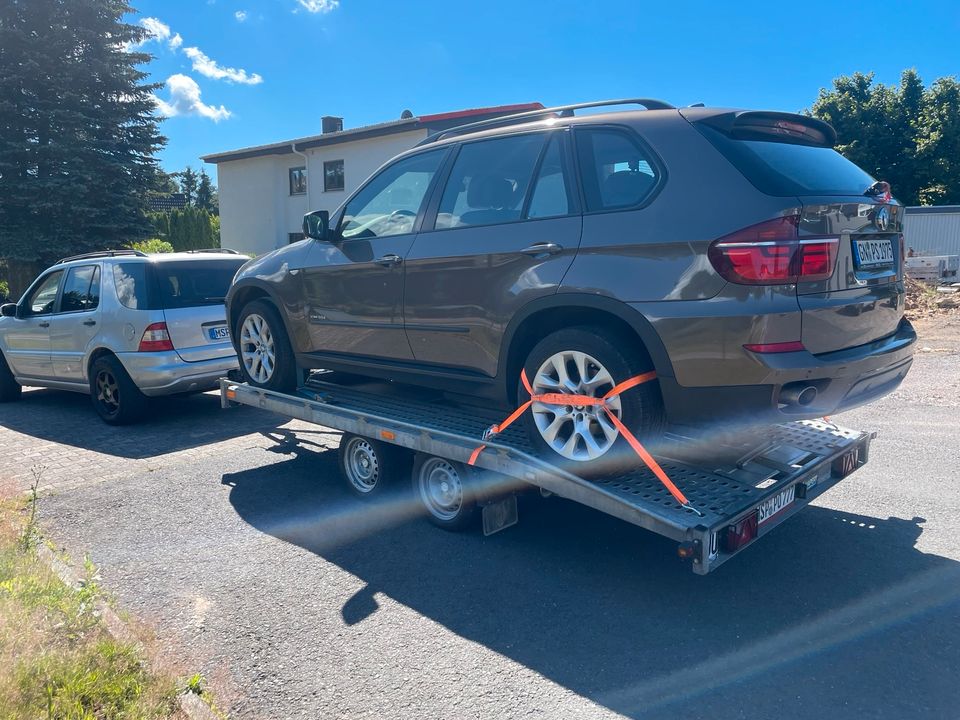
[(784, 169), (170, 285)]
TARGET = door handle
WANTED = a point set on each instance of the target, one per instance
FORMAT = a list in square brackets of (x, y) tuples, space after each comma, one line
[(389, 260), (544, 248), (89, 323), (44, 324)]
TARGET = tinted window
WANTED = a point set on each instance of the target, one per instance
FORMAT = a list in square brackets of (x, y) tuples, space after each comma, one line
[(550, 197), (81, 289), (785, 169), (333, 175), (194, 283), (616, 171), (41, 300), (131, 282), (489, 181), (390, 202)]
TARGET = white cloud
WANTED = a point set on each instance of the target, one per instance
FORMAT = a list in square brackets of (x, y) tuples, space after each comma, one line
[(176, 41), (319, 6), (240, 15), (184, 99), (157, 31), (209, 68)]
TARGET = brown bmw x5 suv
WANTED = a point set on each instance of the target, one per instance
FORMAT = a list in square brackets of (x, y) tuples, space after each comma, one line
[(735, 253)]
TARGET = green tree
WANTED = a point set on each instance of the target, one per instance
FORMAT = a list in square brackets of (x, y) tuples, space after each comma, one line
[(905, 134), (78, 133), (188, 184), (207, 194)]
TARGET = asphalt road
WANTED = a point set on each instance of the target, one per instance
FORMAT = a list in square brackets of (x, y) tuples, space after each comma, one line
[(232, 534)]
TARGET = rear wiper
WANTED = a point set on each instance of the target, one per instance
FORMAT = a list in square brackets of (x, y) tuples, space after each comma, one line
[(880, 189)]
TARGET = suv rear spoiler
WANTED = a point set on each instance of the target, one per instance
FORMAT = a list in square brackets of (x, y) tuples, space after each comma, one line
[(769, 125)]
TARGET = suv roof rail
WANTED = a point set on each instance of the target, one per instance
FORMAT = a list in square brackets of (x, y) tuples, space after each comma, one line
[(228, 251), (558, 111), (101, 254)]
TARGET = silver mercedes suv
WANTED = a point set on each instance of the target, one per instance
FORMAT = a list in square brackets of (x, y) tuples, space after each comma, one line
[(121, 326)]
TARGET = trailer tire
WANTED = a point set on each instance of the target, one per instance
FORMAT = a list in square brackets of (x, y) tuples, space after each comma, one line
[(446, 491), (370, 467)]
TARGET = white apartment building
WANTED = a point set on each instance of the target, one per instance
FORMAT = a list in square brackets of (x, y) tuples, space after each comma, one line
[(266, 190)]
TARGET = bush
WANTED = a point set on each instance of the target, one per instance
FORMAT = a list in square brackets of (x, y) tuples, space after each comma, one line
[(188, 229), (153, 245), (4, 290)]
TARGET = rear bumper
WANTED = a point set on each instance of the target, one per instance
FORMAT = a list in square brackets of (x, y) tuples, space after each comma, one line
[(844, 379), (164, 373)]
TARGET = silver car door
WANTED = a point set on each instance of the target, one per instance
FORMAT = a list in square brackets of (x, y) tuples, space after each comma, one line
[(75, 323), (28, 337)]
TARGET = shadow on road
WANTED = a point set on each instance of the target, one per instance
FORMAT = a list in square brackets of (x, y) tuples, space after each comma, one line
[(172, 424), (830, 613)]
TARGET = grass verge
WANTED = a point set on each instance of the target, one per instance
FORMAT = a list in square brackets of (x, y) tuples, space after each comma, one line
[(57, 659)]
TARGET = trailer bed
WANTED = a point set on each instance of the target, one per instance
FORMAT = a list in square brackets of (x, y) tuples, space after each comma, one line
[(728, 477)]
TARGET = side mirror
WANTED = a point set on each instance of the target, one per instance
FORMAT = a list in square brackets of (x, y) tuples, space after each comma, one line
[(316, 225), (8, 310)]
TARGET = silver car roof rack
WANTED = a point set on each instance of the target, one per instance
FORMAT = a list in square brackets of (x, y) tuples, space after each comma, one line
[(558, 111), (101, 254), (228, 251)]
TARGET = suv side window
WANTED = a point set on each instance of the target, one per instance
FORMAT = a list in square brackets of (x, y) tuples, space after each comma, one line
[(390, 202), (43, 298), (489, 181), (130, 280), (551, 193), (81, 289), (616, 172)]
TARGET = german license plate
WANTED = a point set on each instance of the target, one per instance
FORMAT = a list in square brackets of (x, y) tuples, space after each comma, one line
[(218, 333), (774, 505), (873, 253)]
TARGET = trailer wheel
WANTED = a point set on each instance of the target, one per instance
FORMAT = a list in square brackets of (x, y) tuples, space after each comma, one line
[(446, 490), (369, 466)]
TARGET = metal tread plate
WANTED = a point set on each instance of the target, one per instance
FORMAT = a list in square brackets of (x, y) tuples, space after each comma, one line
[(757, 466)]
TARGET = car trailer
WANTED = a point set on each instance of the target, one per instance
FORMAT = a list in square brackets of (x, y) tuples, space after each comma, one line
[(739, 486)]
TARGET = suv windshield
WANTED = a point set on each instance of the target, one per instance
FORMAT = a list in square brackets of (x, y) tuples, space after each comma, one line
[(783, 169), (179, 284)]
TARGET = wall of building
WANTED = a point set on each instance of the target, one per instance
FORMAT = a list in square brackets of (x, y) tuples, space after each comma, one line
[(932, 233), (257, 211)]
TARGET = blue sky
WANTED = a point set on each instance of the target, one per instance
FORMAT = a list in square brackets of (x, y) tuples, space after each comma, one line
[(249, 72)]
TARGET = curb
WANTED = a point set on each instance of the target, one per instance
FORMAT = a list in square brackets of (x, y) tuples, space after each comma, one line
[(189, 703)]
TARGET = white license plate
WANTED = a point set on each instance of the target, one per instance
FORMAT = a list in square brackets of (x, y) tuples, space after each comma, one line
[(871, 253), (218, 333), (778, 502)]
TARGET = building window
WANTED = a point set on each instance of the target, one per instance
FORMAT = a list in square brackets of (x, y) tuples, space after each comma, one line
[(294, 237), (333, 175), (298, 181)]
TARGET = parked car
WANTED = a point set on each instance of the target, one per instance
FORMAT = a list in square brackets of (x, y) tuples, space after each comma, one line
[(122, 326), (754, 268)]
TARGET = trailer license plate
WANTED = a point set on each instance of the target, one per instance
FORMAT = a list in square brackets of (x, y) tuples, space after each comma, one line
[(873, 253), (778, 502), (218, 333)]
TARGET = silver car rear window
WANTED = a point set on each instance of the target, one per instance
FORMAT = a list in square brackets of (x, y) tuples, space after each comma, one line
[(170, 285)]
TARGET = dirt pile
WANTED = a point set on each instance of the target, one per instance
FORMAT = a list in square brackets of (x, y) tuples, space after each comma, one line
[(924, 300)]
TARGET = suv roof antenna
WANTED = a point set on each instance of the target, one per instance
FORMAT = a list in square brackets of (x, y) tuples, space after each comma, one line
[(564, 111)]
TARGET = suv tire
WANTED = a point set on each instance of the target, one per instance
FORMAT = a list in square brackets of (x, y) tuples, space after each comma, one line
[(589, 361), (115, 397), (263, 346), (9, 387)]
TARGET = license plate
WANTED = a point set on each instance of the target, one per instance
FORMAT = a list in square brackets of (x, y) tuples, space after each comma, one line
[(218, 333), (873, 253), (778, 502)]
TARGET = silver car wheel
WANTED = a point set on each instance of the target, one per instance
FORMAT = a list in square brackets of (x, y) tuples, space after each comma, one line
[(257, 349), (441, 489), (361, 465), (575, 432)]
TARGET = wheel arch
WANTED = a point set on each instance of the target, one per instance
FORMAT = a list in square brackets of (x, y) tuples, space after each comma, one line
[(540, 318), (243, 294), (95, 355)]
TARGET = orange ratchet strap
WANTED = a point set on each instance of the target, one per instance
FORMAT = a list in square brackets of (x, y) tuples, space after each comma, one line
[(563, 399)]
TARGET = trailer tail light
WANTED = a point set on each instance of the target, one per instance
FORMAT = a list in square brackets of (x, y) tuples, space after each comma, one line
[(741, 534), (772, 253), (155, 338)]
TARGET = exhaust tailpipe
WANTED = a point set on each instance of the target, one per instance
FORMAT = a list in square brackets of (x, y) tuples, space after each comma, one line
[(798, 394)]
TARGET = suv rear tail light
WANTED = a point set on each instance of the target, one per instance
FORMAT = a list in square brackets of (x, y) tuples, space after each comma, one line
[(772, 253), (155, 338)]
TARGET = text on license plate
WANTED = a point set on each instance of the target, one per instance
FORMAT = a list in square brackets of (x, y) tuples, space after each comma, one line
[(873, 252), (218, 333), (778, 502)]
